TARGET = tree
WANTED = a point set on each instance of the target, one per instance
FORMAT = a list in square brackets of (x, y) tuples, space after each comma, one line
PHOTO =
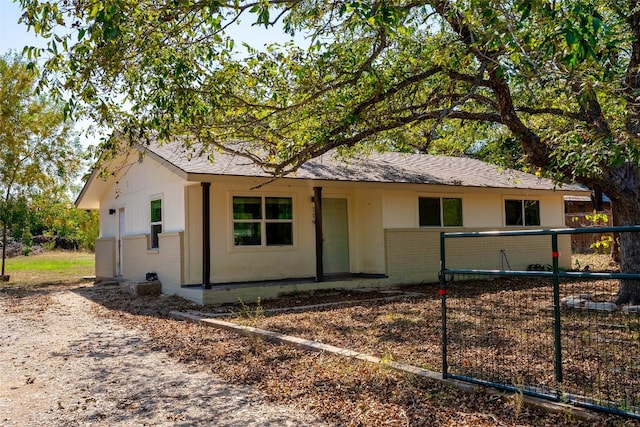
[(38, 149), (53, 213), (562, 79)]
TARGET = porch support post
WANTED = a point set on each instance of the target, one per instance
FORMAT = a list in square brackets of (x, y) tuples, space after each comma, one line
[(206, 235), (317, 204)]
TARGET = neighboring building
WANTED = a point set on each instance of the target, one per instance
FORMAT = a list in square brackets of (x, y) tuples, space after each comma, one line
[(580, 212), (578, 208), (226, 225)]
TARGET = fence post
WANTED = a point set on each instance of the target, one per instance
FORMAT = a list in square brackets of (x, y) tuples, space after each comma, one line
[(443, 296), (556, 309)]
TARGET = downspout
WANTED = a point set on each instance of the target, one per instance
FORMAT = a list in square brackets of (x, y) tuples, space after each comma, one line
[(317, 204), (206, 235)]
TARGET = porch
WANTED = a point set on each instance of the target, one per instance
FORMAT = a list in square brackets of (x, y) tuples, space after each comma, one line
[(231, 293)]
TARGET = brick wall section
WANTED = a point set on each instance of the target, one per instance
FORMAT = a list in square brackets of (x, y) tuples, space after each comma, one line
[(413, 255), (171, 248), (105, 258), (166, 261)]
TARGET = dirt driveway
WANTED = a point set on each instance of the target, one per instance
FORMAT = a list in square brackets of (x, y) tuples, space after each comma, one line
[(61, 365)]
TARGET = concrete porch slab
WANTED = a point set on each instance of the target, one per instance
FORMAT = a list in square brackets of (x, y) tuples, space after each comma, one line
[(252, 292)]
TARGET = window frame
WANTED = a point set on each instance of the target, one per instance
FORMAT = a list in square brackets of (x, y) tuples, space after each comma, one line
[(441, 207), (523, 212), (264, 222), (154, 236)]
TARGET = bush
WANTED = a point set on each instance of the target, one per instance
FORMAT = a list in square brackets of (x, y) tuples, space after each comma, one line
[(38, 244), (56, 242), (14, 248)]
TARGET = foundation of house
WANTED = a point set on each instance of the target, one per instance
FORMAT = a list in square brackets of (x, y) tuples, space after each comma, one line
[(230, 293)]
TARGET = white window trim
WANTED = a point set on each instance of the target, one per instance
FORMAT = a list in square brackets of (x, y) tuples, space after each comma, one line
[(152, 223), (263, 228), (431, 196), (522, 207)]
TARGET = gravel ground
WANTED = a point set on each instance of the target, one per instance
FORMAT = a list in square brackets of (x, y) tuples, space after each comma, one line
[(62, 365), (78, 354)]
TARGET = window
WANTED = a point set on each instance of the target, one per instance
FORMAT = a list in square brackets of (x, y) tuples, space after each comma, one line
[(440, 212), (156, 222), (262, 221), (522, 212)]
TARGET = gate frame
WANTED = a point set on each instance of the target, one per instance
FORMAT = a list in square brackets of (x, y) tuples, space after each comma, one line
[(555, 274)]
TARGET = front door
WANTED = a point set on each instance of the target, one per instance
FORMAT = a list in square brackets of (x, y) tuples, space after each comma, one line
[(335, 233), (119, 251)]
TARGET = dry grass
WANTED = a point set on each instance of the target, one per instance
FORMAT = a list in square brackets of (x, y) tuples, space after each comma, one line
[(594, 262), (32, 278), (343, 392)]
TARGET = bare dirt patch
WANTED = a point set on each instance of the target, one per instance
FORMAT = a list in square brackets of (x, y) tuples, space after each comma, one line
[(335, 390), (339, 391), (62, 365)]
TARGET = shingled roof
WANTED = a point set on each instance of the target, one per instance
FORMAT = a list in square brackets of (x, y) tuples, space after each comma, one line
[(389, 167)]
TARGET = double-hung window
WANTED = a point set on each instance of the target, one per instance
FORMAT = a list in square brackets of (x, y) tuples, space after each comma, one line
[(156, 222), (262, 221), (440, 211), (522, 212)]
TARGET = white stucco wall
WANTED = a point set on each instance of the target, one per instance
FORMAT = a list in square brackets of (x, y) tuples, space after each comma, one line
[(368, 233), (481, 207), (133, 189), (375, 211), (237, 264), (231, 263), (193, 234)]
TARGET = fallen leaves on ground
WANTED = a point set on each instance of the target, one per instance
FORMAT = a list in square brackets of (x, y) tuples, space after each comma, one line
[(341, 391)]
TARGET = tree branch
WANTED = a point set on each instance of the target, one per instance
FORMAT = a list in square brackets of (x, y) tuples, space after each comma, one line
[(537, 152), (553, 111), (632, 78)]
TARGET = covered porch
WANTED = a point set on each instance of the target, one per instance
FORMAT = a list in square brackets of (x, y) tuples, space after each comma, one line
[(317, 260), (232, 293)]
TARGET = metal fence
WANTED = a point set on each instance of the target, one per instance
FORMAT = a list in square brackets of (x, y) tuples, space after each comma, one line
[(552, 334)]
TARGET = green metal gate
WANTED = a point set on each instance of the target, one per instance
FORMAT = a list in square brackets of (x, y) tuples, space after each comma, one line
[(547, 333)]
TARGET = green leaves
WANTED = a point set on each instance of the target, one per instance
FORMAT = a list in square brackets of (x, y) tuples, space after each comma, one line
[(38, 149), (376, 73), (261, 10), (581, 31)]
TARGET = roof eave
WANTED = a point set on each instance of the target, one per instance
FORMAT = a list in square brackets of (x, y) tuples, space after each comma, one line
[(83, 201), (164, 162)]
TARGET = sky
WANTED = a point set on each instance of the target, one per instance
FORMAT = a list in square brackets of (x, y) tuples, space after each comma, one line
[(14, 36)]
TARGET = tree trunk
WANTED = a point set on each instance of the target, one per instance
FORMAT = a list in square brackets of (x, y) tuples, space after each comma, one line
[(615, 245), (596, 200), (615, 248), (4, 247), (626, 214)]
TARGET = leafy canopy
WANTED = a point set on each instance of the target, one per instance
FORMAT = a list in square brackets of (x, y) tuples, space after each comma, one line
[(553, 85), (39, 152), (558, 77), (38, 148)]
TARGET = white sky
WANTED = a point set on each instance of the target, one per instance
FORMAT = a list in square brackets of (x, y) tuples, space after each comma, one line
[(14, 36)]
